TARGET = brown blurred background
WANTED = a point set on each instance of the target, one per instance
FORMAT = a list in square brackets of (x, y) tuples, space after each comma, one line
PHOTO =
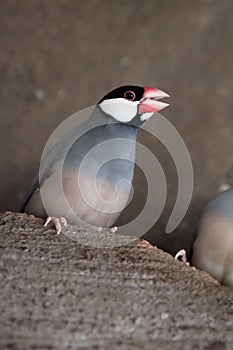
[(59, 56)]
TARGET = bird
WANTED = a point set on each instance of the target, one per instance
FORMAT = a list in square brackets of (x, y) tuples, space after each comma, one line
[(213, 246), (86, 176)]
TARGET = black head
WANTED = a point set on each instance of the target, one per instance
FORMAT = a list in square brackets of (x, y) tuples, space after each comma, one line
[(128, 102)]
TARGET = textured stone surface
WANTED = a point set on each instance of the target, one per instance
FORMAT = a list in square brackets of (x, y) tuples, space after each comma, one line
[(59, 56), (57, 294)]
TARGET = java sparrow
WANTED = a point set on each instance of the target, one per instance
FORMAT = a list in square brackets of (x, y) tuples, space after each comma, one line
[(91, 192), (213, 247)]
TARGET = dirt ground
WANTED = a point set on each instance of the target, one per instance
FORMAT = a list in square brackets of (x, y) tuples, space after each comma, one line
[(58, 294)]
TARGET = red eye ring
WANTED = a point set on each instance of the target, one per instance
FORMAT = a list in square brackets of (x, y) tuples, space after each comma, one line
[(129, 95)]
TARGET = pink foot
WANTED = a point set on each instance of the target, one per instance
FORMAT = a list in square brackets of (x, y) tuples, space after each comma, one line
[(58, 222), (182, 254), (112, 229)]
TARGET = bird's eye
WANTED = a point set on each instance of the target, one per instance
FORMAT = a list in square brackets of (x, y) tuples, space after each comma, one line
[(129, 95)]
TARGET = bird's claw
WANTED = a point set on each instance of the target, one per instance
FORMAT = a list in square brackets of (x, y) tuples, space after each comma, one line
[(111, 230), (58, 222), (182, 255)]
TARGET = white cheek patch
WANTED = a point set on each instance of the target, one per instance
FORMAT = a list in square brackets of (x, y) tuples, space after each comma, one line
[(120, 109), (144, 117)]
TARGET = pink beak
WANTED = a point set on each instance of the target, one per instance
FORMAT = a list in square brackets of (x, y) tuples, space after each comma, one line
[(149, 102)]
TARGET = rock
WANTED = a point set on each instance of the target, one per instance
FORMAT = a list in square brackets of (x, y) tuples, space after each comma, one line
[(59, 294)]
